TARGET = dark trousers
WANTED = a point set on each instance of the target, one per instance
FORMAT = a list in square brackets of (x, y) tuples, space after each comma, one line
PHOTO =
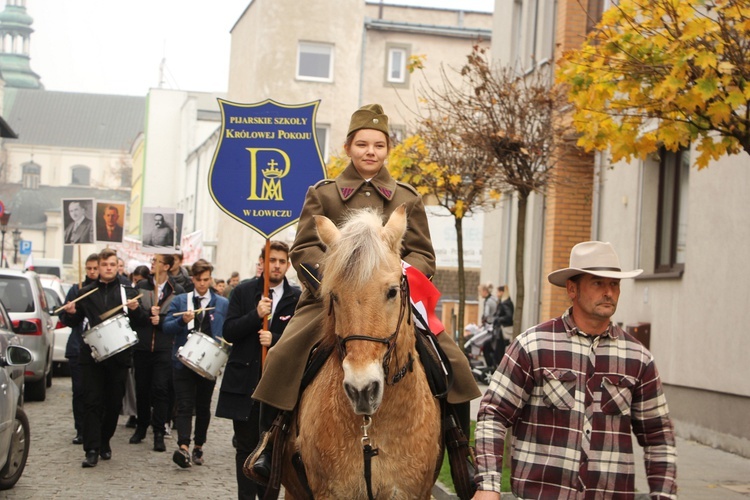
[(247, 435), (152, 373), (192, 392), (103, 390), (76, 380)]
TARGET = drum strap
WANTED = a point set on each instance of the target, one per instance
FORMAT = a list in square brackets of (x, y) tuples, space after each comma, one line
[(124, 299), (191, 325)]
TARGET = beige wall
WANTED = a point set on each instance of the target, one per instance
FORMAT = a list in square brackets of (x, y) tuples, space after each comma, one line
[(696, 320)]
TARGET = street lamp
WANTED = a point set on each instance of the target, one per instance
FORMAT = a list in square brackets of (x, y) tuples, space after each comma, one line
[(16, 242), (3, 227)]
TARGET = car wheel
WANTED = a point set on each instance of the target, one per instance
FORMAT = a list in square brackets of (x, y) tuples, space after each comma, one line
[(36, 391), (49, 377), (18, 452)]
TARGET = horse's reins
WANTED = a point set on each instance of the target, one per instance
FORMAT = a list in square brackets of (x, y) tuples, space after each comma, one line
[(367, 449)]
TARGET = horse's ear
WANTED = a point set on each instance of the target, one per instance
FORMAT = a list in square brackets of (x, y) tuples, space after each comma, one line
[(395, 228), (327, 230)]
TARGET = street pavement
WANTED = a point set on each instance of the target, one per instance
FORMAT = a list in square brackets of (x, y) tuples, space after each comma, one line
[(703, 473), (54, 467)]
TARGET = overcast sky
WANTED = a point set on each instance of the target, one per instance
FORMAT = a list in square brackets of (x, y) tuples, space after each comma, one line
[(115, 47)]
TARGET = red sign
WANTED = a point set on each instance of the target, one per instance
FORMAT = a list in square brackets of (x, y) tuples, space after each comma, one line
[(2, 209)]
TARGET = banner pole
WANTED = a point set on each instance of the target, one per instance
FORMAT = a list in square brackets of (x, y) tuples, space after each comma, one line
[(80, 278), (266, 288)]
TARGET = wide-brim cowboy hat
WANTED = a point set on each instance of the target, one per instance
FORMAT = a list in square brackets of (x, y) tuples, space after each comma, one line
[(592, 257)]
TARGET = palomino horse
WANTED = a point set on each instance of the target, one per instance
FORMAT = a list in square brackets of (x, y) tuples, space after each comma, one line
[(372, 390)]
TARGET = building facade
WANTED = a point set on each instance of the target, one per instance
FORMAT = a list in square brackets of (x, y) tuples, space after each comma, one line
[(345, 54), (687, 229)]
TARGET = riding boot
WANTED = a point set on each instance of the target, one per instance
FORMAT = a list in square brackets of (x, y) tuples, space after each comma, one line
[(262, 465)]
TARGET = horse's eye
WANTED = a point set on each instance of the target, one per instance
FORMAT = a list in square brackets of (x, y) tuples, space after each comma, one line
[(392, 293)]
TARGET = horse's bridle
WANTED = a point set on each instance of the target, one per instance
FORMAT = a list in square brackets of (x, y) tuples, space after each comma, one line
[(389, 341)]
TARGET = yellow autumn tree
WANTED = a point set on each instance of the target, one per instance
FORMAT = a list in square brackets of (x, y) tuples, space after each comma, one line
[(664, 72)]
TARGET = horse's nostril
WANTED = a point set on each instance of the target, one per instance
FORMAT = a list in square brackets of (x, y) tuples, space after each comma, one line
[(374, 391), (351, 392)]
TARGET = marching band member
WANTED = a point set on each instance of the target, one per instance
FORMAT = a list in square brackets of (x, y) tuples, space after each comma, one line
[(201, 311), (103, 381)]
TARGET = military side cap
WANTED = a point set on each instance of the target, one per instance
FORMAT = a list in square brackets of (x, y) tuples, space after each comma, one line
[(369, 116)]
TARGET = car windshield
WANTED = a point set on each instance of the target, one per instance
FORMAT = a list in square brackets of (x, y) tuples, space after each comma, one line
[(16, 294)]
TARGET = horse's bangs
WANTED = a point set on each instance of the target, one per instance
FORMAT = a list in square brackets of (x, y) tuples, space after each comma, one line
[(358, 254)]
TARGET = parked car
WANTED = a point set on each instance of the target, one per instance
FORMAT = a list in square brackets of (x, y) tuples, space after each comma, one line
[(23, 296), (55, 291), (14, 425)]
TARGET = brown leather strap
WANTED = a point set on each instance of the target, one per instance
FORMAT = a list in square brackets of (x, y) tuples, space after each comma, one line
[(459, 454)]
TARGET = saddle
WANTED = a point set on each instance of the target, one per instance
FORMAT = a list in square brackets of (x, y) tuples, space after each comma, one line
[(440, 378)]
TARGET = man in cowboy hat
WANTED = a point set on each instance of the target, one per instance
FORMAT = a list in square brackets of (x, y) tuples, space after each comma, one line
[(572, 389)]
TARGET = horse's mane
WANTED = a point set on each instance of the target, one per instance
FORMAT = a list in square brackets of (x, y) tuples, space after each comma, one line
[(358, 254)]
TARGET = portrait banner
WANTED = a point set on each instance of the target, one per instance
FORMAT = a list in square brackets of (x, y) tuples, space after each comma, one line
[(266, 158), (78, 222), (158, 230), (110, 219)]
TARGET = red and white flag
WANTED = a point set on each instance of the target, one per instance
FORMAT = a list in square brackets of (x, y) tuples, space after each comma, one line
[(29, 264), (424, 297)]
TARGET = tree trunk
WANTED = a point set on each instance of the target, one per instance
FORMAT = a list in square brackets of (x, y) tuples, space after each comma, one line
[(523, 199), (459, 224)]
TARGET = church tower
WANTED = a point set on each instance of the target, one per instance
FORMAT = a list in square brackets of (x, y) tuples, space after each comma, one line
[(15, 34)]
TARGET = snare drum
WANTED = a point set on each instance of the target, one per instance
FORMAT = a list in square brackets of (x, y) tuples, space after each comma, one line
[(204, 355), (110, 337)]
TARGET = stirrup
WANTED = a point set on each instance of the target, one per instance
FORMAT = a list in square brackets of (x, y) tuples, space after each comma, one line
[(247, 468)]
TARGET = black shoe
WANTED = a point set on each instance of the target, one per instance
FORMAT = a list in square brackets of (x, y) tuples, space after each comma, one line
[(106, 452), (182, 458), (92, 458), (198, 456), (262, 466), (78, 439), (132, 422), (138, 436), (159, 442)]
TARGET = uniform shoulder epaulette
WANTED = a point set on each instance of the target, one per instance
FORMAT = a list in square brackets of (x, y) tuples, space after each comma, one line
[(323, 183), (409, 187)]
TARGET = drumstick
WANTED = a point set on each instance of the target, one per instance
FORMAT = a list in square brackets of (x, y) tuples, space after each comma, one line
[(75, 300), (116, 308), (195, 311)]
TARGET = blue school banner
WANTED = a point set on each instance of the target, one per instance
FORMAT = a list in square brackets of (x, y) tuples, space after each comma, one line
[(266, 158)]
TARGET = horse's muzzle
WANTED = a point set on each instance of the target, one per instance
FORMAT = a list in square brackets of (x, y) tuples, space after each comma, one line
[(365, 400), (364, 386)]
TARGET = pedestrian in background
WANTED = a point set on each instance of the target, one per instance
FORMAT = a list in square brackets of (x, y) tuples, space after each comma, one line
[(573, 389), (244, 329)]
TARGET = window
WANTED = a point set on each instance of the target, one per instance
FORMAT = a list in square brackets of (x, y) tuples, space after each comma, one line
[(321, 132), (315, 62), (31, 174), (671, 223), (398, 132), (81, 176), (396, 65)]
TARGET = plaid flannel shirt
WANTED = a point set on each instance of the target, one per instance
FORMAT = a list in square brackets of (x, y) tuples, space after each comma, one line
[(572, 400)]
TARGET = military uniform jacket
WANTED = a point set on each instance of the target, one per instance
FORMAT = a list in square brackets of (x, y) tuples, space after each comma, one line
[(334, 199), (349, 191)]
